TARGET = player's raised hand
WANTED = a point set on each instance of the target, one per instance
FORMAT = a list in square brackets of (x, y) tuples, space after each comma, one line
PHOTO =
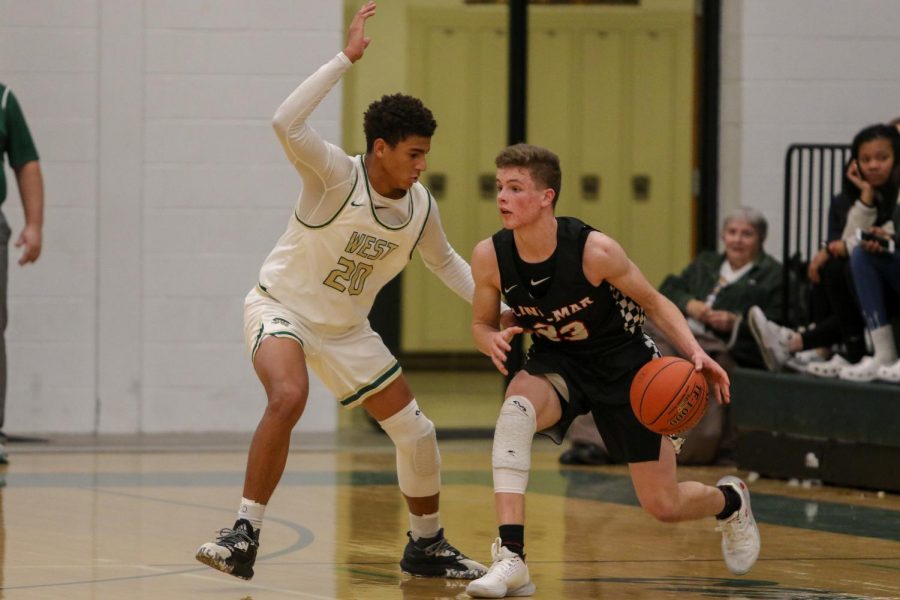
[(356, 34)]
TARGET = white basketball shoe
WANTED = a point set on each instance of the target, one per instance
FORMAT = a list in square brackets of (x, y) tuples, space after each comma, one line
[(507, 576), (740, 535)]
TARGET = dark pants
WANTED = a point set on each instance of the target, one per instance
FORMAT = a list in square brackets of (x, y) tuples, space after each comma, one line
[(876, 276), (5, 234), (839, 292)]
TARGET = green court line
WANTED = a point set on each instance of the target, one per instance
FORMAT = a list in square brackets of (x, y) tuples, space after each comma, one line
[(770, 509), (712, 587)]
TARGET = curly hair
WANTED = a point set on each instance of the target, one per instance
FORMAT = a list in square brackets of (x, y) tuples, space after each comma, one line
[(395, 118), (541, 163)]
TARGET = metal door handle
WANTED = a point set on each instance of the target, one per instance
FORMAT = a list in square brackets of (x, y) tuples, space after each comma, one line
[(640, 186), (487, 186), (590, 187), (437, 183)]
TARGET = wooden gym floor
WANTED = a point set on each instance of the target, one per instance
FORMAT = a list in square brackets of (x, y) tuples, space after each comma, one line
[(120, 518)]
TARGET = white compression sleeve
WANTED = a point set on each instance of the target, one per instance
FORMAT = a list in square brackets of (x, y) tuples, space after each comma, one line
[(511, 457), (418, 459)]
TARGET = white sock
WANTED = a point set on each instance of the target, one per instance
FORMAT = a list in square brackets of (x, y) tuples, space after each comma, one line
[(883, 344), (252, 511), (425, 526)]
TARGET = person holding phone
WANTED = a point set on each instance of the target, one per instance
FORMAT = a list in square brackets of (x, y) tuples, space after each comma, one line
[(874, 262), (866, 205)]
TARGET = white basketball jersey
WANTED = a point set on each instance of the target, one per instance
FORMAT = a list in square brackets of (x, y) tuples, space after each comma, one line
[(331, 273)]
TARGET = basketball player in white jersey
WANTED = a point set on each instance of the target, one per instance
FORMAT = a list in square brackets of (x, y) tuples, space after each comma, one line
[(355, 226)]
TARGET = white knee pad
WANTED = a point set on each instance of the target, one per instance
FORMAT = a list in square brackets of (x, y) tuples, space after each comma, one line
[(511, 457), (418, 459)]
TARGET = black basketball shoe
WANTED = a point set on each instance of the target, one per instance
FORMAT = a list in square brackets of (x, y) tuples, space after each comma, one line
[(234, 550), (435, 557)]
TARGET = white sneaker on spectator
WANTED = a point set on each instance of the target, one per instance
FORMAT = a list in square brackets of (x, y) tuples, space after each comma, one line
[(507, 576), (740, 535), (864, 370), (812, 355), (771, 338), (799, 361), (890, 373), (828, 368)]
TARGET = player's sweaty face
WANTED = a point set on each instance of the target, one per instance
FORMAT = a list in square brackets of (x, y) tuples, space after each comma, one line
[(517, 194), (405, 162)]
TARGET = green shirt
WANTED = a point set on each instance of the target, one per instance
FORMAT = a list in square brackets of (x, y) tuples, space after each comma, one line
[(760, 286), (15, 139)]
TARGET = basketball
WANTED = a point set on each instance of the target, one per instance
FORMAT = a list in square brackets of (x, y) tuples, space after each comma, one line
[(668, 396)]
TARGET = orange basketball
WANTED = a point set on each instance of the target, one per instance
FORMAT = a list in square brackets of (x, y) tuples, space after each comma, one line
[(668, 396)]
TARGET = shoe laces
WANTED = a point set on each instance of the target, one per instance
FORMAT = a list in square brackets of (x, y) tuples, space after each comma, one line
[(503, 562), (440, 548), (735, 529), (232, 537)]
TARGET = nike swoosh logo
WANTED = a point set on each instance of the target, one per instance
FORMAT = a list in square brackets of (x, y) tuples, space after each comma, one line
[(355, 204), (509, 289), (540, 281)]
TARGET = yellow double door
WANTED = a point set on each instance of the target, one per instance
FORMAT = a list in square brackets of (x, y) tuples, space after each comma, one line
[(611, 93)]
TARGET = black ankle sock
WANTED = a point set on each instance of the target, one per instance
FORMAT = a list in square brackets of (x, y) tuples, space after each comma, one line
[(512, 537), (732, 502)]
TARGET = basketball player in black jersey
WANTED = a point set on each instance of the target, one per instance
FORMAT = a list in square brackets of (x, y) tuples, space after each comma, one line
[(584, 303)]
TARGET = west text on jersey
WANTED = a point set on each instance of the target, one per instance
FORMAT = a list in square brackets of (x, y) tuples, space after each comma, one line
[(369, 246)]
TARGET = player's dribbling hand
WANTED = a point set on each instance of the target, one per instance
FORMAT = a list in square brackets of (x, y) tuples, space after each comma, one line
[(716, 377), (357, 42), (500, 345)]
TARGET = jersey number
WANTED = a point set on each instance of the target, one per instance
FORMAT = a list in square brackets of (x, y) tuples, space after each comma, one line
[(570, 332), (354, 273)]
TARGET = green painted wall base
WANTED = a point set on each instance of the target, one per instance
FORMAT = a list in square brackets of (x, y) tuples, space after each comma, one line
[(796, 426)]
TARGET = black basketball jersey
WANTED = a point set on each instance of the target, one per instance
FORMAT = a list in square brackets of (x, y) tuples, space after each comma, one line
[(568, 313)]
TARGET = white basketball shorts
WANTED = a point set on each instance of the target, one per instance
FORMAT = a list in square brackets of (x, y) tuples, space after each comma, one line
[(352, 363)]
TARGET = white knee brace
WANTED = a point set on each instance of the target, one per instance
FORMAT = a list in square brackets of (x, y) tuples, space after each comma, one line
[(511, 457), (418, 459)]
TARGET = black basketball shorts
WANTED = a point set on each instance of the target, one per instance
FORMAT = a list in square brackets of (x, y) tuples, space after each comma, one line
[(581, 390)]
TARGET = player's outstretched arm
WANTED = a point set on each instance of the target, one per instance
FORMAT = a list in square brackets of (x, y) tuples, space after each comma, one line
[(357, 42), (489, 338), (604, 259)]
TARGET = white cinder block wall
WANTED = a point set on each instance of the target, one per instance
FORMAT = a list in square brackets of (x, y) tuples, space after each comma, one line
[(165, 189), (799, 71)]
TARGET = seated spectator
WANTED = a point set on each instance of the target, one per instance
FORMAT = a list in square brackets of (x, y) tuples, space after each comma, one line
[(714, 292), (870, 198), (875, 269), (836, 320)]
